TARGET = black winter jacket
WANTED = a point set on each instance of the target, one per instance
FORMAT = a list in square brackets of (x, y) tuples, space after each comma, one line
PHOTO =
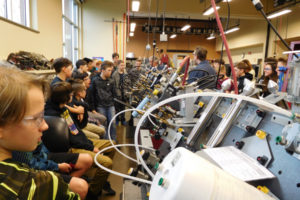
[(103, 92)]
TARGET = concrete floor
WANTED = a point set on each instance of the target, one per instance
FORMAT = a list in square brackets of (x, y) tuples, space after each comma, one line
[(120, 164)]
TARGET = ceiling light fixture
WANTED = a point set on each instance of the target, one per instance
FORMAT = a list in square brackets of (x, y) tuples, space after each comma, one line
[(131, 34), (135, 6), (132, 26), (185, 27), (233, 29), (291, 52), (282, 12), (173, 36), (212, 36), (227, 0), (210, 10)]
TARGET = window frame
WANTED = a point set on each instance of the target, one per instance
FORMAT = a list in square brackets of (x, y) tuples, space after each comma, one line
[(74, 22), (24, 13)]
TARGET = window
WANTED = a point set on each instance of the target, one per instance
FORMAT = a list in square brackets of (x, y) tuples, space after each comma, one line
[(16, 11), (70, 29)]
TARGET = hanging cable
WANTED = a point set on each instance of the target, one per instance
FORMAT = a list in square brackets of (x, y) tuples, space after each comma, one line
[(226, 45), (222, 48), (149, 25), (164, 16), (275, 38), (258, 5), (154, 31), (128, 18)]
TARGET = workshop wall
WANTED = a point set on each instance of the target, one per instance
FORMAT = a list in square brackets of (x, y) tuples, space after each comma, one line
[(98, 39), (48, 39)]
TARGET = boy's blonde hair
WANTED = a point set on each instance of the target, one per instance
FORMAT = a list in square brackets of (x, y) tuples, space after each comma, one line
[(14, 87)]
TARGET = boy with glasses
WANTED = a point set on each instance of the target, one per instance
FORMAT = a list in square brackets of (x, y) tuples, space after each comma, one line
[(21, 127)]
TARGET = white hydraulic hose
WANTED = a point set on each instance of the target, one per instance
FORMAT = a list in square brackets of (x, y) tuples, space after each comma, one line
[(118, 173), (263, 104), (109, 136), (151, 121)]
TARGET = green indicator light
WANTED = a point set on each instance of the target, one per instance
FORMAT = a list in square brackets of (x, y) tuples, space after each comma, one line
[(156, 165), (160, 182), (278, 139)]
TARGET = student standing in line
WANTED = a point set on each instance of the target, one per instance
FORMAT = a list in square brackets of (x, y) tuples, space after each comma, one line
[(203, 67), (115, 57), (63, 68), (118, 77), (90, 64), (103, 91), (81, 67), (138, 67)]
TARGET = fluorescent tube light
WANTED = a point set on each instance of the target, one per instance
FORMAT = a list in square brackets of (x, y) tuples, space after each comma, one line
[(282, 12), (173, 36), (227, 0), (135, 6), (232, 30), (290, 52), (210, 10), (186, 27), (211, 37), (132, 26), (131, 34)]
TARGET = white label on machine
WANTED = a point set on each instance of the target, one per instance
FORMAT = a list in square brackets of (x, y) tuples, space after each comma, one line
[(146, 138), (238, 164)]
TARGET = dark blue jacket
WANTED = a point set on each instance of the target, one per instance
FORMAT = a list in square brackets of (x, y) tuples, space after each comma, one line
[(56, 80), (38, 159), (204, 65)]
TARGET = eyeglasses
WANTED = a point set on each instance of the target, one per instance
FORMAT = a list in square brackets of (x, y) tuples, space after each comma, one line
[(267, 69), (38, 119)]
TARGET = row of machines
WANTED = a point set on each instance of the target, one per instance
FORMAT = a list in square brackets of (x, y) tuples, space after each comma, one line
[(212, 145)]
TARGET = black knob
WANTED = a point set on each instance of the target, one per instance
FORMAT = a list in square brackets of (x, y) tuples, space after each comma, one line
[(164, 126), (262, 159), (239, 144), (146, 155), (250, 129), (260, 113), (157, 136), (157, 152)]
